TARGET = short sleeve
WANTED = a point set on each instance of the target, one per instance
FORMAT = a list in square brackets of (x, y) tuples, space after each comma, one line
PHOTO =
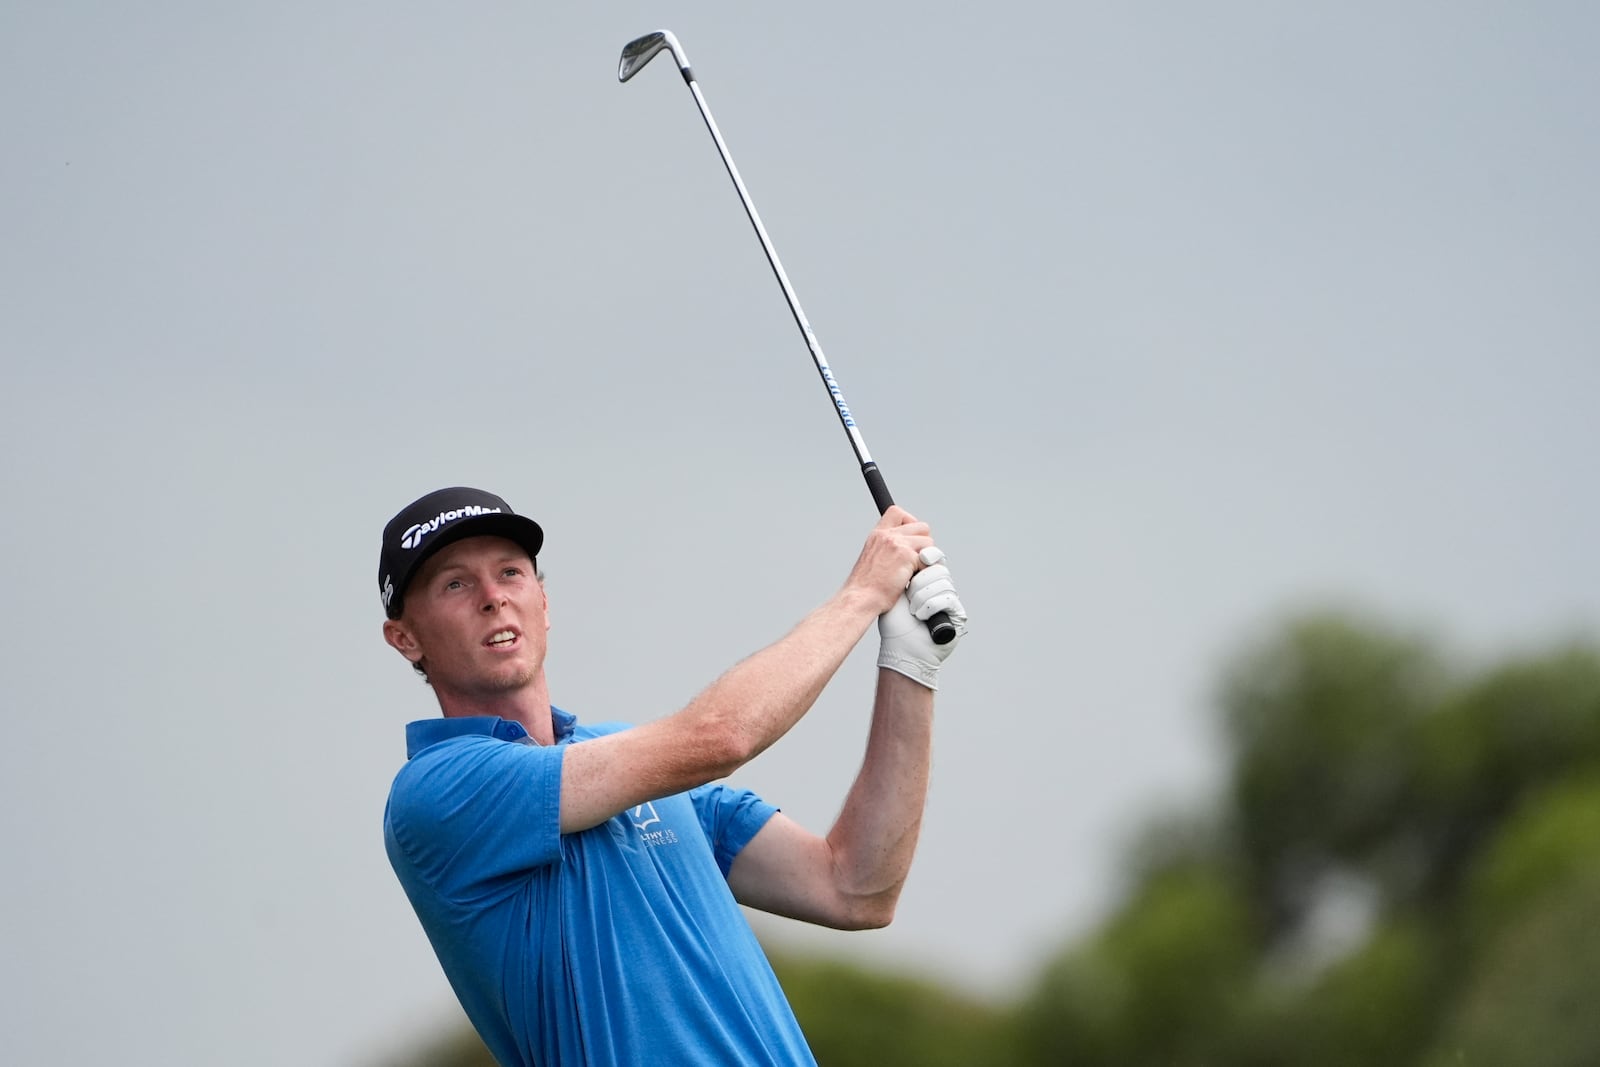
[(730, 818), (468, 811)]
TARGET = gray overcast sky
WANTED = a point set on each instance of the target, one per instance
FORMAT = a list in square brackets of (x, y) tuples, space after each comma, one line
[(1170, 317)]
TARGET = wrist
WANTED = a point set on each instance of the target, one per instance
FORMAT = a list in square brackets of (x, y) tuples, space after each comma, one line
[(856, 604)]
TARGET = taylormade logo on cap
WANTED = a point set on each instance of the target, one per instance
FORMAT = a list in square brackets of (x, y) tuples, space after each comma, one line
[(412, 538)]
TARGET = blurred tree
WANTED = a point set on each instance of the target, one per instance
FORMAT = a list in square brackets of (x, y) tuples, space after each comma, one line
[(1529, 998), (1404, 867), (1374, 1006), (1322, 720), (1160, 985), (1552, 838), (856, 1017), (1521, 727)]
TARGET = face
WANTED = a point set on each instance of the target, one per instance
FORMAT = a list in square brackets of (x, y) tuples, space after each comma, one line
[(476, 613)]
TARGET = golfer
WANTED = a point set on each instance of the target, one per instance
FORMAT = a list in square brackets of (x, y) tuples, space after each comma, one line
[(580, 883)]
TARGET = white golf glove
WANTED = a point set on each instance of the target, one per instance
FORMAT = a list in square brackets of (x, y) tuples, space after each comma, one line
[(905, 644)]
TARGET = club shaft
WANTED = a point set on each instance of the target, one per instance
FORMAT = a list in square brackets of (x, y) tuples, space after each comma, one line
[(635, 55), (869, 469)]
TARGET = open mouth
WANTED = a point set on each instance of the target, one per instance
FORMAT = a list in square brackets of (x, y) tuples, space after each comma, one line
[(502, 639)]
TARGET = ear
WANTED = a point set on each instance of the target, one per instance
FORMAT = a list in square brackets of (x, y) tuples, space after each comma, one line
[(402, 640), (545, 596)]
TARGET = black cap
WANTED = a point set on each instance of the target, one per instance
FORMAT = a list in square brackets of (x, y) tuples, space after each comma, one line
[(443, 517)]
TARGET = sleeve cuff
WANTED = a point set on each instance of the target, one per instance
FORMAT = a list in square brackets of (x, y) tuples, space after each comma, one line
[(918, 672)]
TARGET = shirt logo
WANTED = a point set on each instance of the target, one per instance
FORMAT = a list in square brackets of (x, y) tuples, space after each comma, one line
[(645, 816)]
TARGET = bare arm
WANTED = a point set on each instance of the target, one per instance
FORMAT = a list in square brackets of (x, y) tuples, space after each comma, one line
[(851, 879), (749, 707)]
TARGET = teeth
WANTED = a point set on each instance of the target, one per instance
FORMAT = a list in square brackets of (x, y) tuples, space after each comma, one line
[(503, 637)]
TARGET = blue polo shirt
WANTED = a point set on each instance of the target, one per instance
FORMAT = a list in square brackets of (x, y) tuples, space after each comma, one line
[(620, 944)]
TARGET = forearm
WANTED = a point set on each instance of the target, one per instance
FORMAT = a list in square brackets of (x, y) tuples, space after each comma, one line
[(875, 836), (732, 721), (756, 702), (760, 698)]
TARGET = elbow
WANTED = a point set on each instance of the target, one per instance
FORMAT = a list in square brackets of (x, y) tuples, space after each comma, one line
[(869, 912), (876, 919), (725, 747)]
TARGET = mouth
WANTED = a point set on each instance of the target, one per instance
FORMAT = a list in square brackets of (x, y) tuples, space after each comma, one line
[(502, 639)]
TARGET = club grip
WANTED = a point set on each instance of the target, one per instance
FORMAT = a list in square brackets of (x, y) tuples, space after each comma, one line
[(940, 628)]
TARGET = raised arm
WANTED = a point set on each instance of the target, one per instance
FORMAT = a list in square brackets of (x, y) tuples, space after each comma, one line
[(752, 705), (851, 879)]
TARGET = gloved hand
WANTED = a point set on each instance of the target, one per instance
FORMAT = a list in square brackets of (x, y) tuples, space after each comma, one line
[(905, 644)]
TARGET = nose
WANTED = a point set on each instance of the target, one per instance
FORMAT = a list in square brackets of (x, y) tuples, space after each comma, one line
[(494, 599)]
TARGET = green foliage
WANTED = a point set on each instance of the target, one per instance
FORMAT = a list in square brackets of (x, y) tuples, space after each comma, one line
[(854, 1017), (1160, 985), (1524, 723), (1468, 806), (1521, 727), (1323, 719), (1551, 839), (1372, 1007), (1529, 998)]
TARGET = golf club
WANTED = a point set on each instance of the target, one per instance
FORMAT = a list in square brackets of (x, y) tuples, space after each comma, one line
[(637, 53)]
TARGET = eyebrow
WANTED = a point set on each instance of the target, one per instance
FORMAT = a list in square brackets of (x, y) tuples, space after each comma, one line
[(503, 561)]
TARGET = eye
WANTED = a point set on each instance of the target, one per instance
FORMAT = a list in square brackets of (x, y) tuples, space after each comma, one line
[(511, 572), (454, 583)]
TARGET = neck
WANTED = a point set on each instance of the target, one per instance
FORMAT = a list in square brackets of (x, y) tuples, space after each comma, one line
[(528, 705)]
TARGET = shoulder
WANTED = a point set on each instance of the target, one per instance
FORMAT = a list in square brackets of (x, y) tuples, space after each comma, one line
[(601, 729), (447, 771)]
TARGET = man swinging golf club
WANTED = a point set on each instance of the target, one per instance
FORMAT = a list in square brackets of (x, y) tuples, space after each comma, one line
[(580, 884)]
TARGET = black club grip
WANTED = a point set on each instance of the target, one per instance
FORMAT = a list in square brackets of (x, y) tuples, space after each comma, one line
[(940, 628)]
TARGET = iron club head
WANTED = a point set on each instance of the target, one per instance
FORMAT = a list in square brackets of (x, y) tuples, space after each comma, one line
[(641, 50)]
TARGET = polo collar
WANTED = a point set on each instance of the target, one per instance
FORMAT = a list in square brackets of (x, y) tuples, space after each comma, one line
[(425, 732)]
